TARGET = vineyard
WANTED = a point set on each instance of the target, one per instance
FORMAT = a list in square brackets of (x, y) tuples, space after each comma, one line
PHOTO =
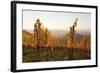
[(42, 45), (58, 54)]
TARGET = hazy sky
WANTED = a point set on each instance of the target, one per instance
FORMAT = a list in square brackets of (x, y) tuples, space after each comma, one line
[(56, 20)]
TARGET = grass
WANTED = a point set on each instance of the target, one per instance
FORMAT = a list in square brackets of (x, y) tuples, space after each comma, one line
[(58, 54)]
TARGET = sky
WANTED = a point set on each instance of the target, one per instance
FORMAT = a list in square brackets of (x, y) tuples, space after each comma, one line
[(56, 20)]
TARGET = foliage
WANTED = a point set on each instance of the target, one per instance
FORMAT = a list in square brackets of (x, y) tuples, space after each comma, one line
[(42, 45)]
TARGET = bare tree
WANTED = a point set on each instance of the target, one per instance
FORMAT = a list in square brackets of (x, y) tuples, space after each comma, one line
[(37, 31), (70, 43)]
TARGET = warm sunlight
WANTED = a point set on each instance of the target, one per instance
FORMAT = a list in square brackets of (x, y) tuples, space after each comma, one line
[(60, 20)]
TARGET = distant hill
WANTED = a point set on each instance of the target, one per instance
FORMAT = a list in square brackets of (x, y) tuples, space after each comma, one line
[(84, 32), (58, 36), (58, 33), (62, 36)]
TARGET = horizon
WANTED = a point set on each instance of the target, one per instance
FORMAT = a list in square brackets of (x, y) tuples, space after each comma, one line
[(63, 32)]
